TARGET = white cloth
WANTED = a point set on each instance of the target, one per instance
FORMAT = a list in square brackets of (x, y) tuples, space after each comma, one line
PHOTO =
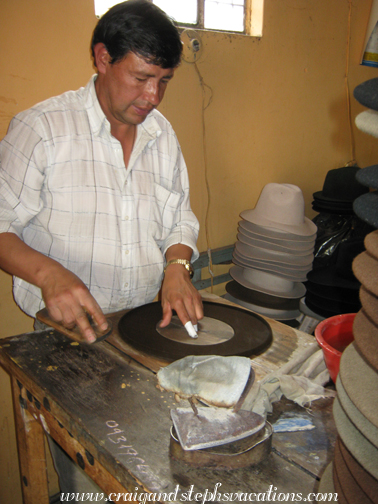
[(217, 380), (301, 380), (65, 191)]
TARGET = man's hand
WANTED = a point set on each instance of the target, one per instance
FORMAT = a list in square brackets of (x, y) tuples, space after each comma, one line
[(68, 302), (179, 294), (67, 299)]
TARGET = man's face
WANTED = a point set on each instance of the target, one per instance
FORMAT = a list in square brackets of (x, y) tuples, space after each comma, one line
[(129, 89)]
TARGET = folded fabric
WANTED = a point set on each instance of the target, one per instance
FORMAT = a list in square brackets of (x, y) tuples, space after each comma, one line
[(301, 380), (367, 122), (218, 381)]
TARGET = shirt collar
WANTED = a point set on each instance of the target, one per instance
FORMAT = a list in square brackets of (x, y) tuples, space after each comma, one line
[(147, 132)]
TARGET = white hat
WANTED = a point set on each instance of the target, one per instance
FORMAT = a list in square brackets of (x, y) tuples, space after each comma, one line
[(287, 273), (278, 258), (274, 236), (281, 206), (269, 283), (256, 242)]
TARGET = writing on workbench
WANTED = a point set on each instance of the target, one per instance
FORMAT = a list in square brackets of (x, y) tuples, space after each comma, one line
[(117, 437)]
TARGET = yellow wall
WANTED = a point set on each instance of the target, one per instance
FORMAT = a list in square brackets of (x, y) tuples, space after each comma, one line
[(278, 114)]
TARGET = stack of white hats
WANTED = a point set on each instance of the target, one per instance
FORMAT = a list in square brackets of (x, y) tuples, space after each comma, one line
[(273, 253)]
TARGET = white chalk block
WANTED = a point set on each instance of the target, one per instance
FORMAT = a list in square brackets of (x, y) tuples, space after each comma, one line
[(191, 330)]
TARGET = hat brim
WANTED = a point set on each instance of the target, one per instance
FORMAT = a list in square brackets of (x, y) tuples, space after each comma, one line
[(320, 310), (257, 298), (365, 269), (332, 305), (334, 293), (319, 196), (360, 381), (361, 448), (366, 208), (267, 312), (368, 176), (364, 481), (276, 233), (308, 228), (370, 303), (369, 430), (273, 256), (286, 273), (284, 240), (247, 239), (328, 277), (365, 333), (297, 289), (371, 243)]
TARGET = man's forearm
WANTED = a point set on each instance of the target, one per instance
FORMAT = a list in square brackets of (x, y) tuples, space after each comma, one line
[(20, 260)]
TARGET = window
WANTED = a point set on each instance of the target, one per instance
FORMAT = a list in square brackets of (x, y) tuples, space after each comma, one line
[(238, 16)]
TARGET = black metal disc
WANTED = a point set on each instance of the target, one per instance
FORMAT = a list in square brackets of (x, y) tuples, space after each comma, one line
[(252, 333)]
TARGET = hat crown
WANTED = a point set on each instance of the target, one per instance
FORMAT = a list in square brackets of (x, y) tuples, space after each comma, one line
[(281, 203), (342, 184)]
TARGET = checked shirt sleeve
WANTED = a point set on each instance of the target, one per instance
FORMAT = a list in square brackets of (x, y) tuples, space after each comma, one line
[(22, 164)]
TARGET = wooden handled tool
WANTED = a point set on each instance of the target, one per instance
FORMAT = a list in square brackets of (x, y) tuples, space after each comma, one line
[(74, 334)]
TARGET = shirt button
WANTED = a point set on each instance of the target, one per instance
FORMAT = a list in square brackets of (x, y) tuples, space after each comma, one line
[(126, 217), (125, 284), (127, 251)]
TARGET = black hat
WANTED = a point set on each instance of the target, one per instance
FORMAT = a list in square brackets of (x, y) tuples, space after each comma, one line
[(340, 185)]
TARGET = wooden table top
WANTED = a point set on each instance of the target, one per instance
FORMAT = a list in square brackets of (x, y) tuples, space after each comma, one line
[(110, 403)]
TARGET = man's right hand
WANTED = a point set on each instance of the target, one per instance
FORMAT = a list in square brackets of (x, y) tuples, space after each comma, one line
[(68, 302), (67, 299)]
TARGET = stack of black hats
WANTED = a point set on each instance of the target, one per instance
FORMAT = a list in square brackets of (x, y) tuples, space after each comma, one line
[(353, 474), (332, 288), (340, 189)]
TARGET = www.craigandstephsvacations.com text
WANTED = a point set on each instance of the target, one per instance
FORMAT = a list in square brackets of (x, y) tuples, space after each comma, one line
[(214, 495)]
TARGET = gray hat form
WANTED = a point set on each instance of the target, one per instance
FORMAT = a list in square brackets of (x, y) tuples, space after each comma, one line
[(368, 176), (360, 381), (360, 447), (366, 208), (366, 93)]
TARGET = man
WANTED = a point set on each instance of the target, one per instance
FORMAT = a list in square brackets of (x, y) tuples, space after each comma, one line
[(94, 195), (94, 189)]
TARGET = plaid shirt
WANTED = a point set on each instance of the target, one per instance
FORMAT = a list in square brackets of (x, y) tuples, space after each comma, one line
[(65, 191)]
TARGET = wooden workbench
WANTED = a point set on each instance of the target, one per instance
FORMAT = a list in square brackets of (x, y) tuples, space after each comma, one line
[(105, 410)]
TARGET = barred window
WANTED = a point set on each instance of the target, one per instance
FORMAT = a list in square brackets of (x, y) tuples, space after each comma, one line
[(237, 16)]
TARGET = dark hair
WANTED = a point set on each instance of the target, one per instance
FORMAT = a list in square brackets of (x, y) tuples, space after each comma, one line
[(140, 27)]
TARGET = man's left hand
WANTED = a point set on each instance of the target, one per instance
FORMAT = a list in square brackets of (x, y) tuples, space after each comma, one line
[(179, 294)]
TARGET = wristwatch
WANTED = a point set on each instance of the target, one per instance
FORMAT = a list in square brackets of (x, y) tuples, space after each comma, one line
[(184, 262)]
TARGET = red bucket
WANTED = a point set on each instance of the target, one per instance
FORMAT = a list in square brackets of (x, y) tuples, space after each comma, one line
[(334, 334)]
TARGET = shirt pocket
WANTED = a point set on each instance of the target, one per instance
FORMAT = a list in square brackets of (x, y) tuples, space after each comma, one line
[(165, 209)]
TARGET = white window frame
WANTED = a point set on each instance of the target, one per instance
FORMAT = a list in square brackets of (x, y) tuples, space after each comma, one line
[(253, 18)]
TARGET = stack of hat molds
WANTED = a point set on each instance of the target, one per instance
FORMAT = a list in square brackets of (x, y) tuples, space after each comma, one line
[(355, 464), (273, 254)]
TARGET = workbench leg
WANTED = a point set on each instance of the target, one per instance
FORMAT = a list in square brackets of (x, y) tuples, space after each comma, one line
[(31, 450)]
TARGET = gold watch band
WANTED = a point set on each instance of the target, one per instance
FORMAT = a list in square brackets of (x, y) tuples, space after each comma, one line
[(184, 262)]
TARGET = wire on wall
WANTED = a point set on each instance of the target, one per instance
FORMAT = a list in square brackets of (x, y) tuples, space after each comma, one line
[(206, 101), (352, 160)]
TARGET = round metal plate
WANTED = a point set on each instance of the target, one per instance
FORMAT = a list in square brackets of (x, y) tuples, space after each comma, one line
[(252, 334), (210, 332)]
